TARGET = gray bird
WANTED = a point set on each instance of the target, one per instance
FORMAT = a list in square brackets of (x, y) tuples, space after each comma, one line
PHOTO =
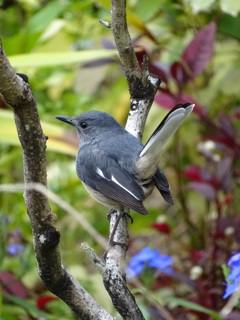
[(114, 166)]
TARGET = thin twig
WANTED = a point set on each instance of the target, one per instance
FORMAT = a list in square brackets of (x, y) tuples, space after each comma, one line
[(77, 215), (105, 23)]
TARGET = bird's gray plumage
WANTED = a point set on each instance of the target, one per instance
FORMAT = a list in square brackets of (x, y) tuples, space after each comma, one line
[(114, 166)]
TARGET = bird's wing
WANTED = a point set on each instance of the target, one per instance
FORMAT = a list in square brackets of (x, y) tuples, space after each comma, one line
[(166, 129), (163, 186), (103, 174)]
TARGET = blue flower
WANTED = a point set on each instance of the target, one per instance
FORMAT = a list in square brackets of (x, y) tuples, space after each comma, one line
[(4, 219), (15, 248), (148, 257), (234, 276)]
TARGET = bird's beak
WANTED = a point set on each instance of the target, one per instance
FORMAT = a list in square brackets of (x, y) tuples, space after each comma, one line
[(68, 120)]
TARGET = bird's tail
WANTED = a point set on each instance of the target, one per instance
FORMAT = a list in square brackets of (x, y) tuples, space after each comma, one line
[(166, 129)]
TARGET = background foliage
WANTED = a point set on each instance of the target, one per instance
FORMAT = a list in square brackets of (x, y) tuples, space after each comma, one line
[(72, 66)]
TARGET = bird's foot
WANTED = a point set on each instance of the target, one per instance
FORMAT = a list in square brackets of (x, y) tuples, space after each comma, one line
[(111, 211), (129, 216), (113, 243), (121, 214)]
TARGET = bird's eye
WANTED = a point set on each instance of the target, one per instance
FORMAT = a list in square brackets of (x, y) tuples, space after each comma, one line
[(83, 124)]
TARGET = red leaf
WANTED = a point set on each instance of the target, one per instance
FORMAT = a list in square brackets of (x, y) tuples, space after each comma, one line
[(192, 172), (234, 315), (223, 141), (167, 100), (224, 173), (43, 301), (205, 189), (226, 126), (197, 255), (178, 72), (197, 173), (199, 51), (162, 227), (12, 286), (236, 113)]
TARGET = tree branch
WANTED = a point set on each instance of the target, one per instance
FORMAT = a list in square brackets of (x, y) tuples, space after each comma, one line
[(17, 93), (142, 88), (142, 85), (78, 216)]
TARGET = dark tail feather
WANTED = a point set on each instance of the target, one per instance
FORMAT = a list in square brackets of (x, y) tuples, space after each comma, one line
[(163, 186)]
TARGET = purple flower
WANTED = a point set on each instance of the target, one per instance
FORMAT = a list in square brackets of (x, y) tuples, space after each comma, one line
[(234, 276), (15, 248), (148, 257)]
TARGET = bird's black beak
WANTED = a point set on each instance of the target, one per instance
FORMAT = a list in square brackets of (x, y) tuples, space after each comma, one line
[(66, 119)]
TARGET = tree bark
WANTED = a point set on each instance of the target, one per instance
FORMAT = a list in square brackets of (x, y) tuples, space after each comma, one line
[(17, 93)]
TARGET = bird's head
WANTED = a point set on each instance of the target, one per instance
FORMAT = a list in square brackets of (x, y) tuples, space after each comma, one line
[(91, 124)]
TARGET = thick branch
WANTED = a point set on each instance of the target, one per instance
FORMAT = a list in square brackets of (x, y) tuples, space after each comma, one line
[(18, 94)]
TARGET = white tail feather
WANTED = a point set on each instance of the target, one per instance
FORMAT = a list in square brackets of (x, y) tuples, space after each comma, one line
[(170, 126)]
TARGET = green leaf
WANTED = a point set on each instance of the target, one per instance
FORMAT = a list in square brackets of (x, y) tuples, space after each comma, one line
[(42, 18), (145, 10), (7, 159), (12, 312), (59, 139), (28, 307), (174, 301), (225, 270), (230, 25), (58, 58)]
